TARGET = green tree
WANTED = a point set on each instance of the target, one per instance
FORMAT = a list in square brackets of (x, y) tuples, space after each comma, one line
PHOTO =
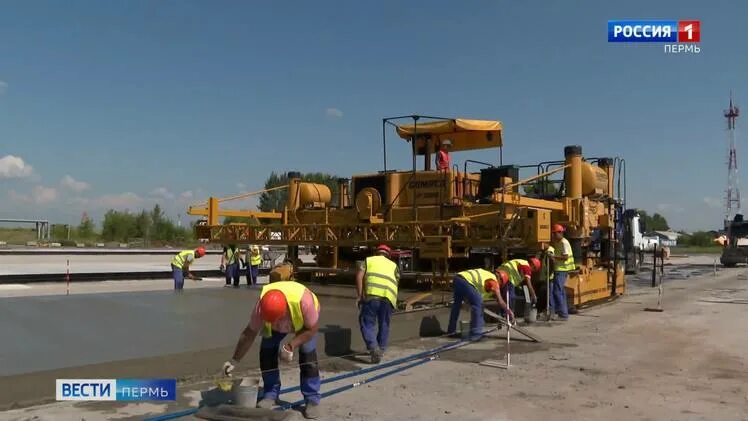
[(86, 228), (698, 238), (276, 199), (655, 222), (118, 226)]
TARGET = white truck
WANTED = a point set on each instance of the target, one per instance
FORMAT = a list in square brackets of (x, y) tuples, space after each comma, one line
[(634, 241)]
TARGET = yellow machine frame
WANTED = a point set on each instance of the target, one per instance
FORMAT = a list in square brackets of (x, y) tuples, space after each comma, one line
[(451, 219)]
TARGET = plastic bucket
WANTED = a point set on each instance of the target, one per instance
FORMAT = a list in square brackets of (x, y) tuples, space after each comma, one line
[(531, 316), (464, 329), (245, 393)]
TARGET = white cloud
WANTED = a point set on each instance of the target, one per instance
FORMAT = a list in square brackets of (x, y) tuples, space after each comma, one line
[(713, 202), (118, 201), (3, 87), (241, 186), (39, 195), (14, 167), (186, 195), (162, 193), (333, 113), (74, 185)]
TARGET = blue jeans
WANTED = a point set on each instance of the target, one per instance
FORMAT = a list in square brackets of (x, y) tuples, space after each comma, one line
[(464, 291), (252, 273), (178, 275), (375, 311), (308, 368), (232, 274), (558, 294)]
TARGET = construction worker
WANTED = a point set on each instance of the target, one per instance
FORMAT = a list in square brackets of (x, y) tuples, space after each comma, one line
[(376, 287), (230, 264), (284, 307), (545, 277), (255, 261), (180, 266), (563, 259), (520, 273), (442, 156), (475, 286)]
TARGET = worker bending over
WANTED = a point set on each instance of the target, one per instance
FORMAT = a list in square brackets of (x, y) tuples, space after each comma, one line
[(563, 259), (180, 266), (376, 286), (520, 273), (474, 286), (284, 307), (254, 260), (230, 264)]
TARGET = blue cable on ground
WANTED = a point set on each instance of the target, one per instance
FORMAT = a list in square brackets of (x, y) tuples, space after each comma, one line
[(427, 354)]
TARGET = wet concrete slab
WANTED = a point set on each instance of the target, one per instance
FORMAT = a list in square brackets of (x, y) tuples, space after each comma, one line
[(155, 334)]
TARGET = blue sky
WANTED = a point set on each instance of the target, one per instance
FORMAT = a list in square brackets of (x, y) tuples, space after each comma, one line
[(141, 102)]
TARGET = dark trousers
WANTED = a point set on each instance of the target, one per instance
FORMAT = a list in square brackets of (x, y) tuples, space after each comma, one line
[(308, 368), (464, 291), (252, 273), (558, 294), (232, 274), (178, 275), (374, 320)]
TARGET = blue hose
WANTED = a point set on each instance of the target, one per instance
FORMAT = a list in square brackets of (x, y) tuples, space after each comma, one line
[(359, 383), (427, 353)]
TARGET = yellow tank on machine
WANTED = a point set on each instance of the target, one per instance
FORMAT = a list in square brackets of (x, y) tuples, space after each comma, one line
[(455, 219)]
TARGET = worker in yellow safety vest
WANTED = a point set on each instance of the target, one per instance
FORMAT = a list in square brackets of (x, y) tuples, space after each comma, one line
[(254, 263), (563, 259), (376, 286), (476, 286), (230, 264), (180, 266), (520, 274), (284, 307)]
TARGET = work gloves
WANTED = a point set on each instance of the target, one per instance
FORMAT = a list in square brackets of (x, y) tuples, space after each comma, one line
[(286, 353), (229, 366)]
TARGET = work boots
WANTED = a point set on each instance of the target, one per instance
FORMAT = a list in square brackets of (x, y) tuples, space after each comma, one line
[(376, 355), (311, 411)]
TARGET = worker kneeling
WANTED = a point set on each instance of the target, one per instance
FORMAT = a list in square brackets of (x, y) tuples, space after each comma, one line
[(376, 285), (284, 307), (474, 286)]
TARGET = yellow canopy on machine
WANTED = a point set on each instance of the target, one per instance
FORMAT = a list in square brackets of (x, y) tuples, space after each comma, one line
[(464, 134)]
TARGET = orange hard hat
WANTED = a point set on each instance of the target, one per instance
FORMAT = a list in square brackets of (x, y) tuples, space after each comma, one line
[(200, 251), (534, 263), (384, 248), (503, 276), (490, 285), (557, 228), (273, 306)]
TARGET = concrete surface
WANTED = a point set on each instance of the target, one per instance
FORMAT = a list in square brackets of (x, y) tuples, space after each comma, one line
[(613, 361), (23, 264)]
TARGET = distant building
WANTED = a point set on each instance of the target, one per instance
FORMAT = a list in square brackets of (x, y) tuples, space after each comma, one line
[(666, 238)]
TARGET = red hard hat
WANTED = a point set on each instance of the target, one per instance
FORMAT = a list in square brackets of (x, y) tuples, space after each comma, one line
[(490, 285), (534, 263), (557, 228), (273, 306), (503, 277), (200, 251), (384, 248)]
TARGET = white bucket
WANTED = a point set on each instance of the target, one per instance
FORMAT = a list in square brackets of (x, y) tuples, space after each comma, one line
[(464, 329), (531, 316), (245, 393)]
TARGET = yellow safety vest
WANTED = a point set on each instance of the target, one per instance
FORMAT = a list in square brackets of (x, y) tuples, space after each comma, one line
[(568, 264), (293, 291), (477, 278), (181, 257), (255, 259), (230, 256), (381, 278), (512, 268)]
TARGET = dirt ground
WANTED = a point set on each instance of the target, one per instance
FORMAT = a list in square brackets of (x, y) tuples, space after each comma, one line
[(612, 362)]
